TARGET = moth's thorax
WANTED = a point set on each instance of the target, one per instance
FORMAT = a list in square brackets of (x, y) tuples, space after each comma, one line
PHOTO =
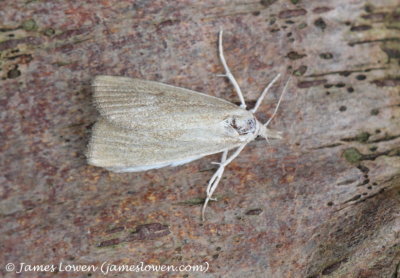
[(245, 127)]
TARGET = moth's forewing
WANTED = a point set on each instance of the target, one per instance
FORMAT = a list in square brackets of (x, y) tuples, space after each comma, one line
[(146, 125)]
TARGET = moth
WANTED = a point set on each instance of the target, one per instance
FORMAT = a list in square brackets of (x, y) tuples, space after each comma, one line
[(147, 125)]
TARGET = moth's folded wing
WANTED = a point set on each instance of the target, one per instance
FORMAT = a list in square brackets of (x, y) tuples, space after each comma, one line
[(125, 150), (146, 125), (135, 103)]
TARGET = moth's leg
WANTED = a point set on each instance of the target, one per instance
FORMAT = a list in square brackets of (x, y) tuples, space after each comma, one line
[(228, 73), (223, 157), (212, 180), (213, 183), (260, 99)]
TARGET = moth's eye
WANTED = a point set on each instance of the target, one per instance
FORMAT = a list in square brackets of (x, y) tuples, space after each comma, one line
[(251, 123)]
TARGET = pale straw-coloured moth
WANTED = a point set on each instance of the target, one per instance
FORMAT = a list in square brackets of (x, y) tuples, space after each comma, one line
[(147, 125)]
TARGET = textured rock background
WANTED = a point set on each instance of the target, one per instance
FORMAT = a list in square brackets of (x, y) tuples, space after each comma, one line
[(323, 202)]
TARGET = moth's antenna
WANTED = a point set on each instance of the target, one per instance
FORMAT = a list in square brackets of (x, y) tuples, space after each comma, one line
[(228, 73), (279, 102), (260, 99)]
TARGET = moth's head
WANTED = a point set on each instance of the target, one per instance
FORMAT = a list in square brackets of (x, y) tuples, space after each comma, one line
[(267, 133), (248, 128), (242, 125)]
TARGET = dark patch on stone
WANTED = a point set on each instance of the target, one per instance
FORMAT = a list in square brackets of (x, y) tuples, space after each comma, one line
[(320, 23), (374, 111), (13, 43), (29, 25), (267, 3), (302, 25), (320, 10), (326, 56), (293, 55), (149, 231), (257, 211), (375, 16), (390, 82), (292, 13), (116, 230), (13, 73), (362, 137), (22, 58), (72, 33), (168, 22), (369, 8), (391, 52), (352, 155), (360, 28), (355, 198), (194, 201), (109, 242), (333, 267), (311, 83), (49, 32), (300, 71), (363, 168), (344, 73)]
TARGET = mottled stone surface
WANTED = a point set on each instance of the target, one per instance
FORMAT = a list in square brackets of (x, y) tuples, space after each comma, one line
[(322, 202)]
